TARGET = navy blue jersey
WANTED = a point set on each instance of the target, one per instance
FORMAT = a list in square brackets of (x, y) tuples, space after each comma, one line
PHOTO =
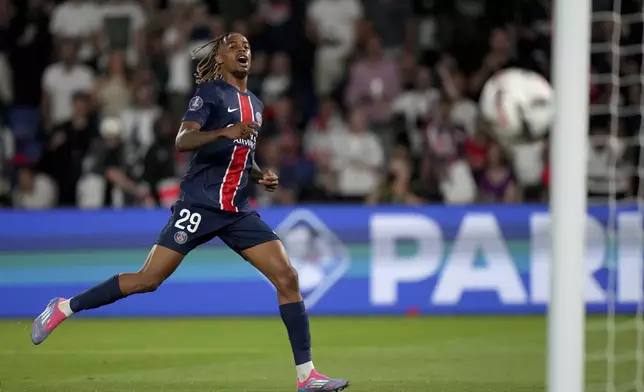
[(219, 172)]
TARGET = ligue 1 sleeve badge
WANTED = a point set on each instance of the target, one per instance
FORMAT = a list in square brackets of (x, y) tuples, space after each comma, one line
[(195, 103), (258, 118)]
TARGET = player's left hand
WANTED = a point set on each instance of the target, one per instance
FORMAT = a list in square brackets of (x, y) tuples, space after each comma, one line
[(269, 180)]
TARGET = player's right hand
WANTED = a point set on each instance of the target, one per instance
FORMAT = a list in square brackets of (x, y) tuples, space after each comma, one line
[(242, 130)]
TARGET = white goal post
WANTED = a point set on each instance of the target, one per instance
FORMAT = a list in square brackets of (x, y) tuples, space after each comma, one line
[(568, 157)]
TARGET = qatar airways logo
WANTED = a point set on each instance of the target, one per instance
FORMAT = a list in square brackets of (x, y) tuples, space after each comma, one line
[(250, 143)]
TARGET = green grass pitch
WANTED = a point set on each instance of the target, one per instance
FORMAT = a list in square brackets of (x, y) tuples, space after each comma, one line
[(424, 354)]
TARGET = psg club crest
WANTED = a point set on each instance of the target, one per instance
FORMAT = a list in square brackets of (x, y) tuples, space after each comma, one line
[(319, 257), (180, 237)]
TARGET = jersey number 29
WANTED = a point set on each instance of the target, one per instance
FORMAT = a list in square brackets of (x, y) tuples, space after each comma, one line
[(194, 219)]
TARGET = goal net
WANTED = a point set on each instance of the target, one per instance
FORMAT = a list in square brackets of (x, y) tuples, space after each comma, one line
[(615, 339)]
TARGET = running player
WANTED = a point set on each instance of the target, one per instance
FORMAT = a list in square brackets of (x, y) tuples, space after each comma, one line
[(221, 125)]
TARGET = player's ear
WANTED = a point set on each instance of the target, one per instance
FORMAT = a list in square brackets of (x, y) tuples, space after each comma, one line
[(218, 59)]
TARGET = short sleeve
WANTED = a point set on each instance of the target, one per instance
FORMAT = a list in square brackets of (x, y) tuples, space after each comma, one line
[(56, 23), (48, 79), (356, 11), (202, 105)]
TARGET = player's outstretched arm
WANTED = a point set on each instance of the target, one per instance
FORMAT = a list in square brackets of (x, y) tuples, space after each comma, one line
[(190, 136)]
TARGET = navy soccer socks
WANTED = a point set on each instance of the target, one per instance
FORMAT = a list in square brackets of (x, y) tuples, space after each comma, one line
[(296, 321), (99, 295)]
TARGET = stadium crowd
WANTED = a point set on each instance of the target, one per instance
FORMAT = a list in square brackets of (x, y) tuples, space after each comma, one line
[(369, 101)]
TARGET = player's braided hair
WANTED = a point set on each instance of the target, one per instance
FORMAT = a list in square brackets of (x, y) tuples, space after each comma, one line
[(207, 68)]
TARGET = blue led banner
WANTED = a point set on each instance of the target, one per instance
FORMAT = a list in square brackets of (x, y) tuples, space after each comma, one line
[(350, 259)]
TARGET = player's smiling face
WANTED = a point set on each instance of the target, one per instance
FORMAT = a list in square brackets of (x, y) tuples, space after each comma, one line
[(236, 56)]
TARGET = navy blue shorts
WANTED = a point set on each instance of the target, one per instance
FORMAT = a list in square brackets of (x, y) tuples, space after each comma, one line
[(192, 225)]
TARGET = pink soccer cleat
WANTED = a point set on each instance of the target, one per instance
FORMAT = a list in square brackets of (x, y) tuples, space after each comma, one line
[(47, 321), (320, 383)]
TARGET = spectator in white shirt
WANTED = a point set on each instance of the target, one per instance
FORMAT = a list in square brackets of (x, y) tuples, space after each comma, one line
[(464, 111), (123, 23), (61, 80), (609, 170), (332, 25), (138, 124), (318, 142), (358, 159), (79, 20), (35, 190), (529, 162), (278, 80), (417, 104), (175, 42)]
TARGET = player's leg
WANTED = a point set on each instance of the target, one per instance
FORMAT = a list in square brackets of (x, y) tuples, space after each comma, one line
[(185, 231), (159, 265), (258, 244), (271, 260)]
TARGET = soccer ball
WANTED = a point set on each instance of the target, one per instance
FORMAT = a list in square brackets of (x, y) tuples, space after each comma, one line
[(518, 104)]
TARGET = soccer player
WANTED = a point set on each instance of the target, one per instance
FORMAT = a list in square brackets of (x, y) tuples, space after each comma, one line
[(220, 125)]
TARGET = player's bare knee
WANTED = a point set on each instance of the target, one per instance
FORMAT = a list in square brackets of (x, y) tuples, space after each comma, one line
[(147, 283), (286, 281)]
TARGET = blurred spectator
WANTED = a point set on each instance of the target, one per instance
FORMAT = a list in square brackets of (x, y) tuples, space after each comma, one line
[(464, 110), (394, 184), (278, 81), (476, 146), (427, 187), (201, 29), (392, 20), (113, 93), (61, 80), (35, 191), (332, 28), (6, 84), (416, 104), (157, 62), (281, 124), (29, 51), (159, 162), (529, 162), (412, 68), (457, 183), (123, 23), (139, 123), (327, 128), (407, 70), (175, 41), (608, 170), (358, 159), (496, 182), (279, 29), (107, 181), (535, 33), (66, 147), (6, 15), (155, 17), (258, 68), (498, 57), (7, 150), (444, 138), (297, 175), (373, 84), (78, 20)]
